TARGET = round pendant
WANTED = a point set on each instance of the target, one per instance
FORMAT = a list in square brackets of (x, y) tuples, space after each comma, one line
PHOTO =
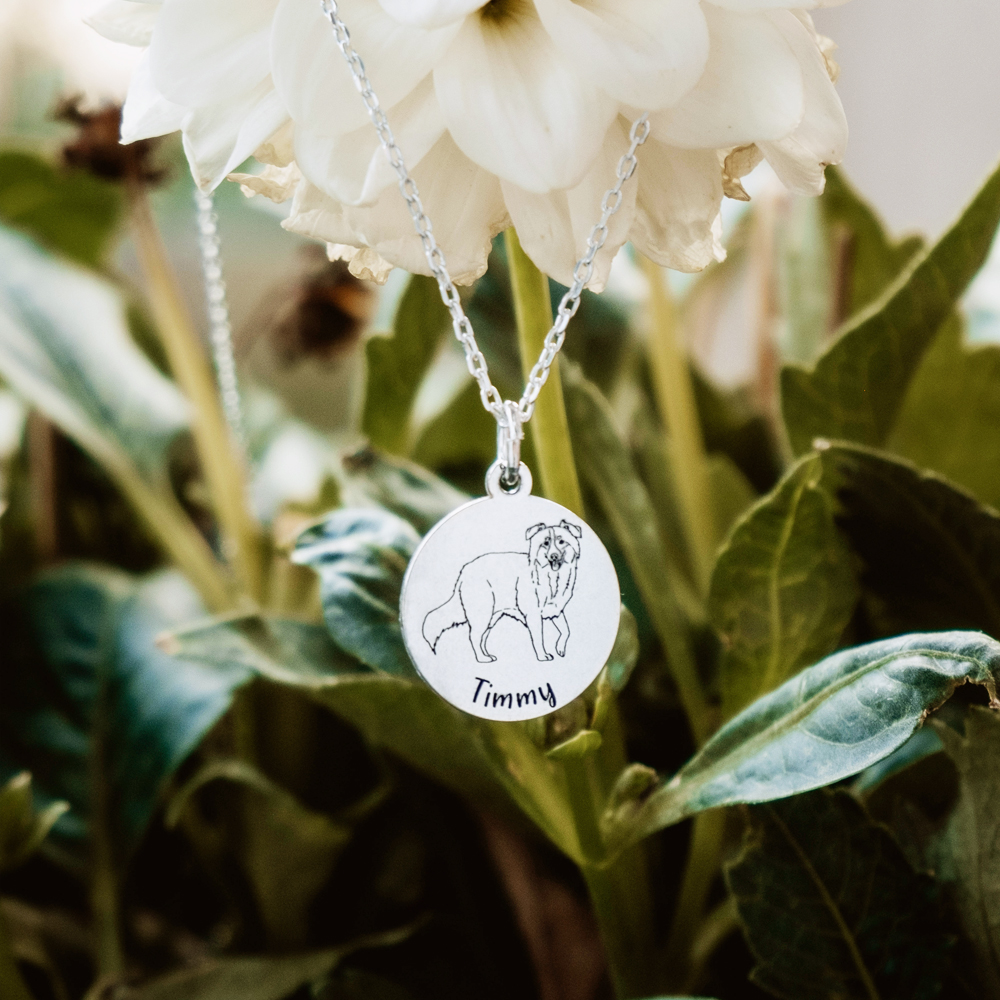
[(510, 605)]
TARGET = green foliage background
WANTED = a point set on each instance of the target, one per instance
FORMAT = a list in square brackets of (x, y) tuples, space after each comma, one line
[(268, 803)]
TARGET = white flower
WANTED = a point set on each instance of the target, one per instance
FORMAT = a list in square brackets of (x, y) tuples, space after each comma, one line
[(507, 111)]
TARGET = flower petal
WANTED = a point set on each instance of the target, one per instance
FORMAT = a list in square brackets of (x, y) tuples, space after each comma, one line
[(276, 183), (464, 202), (279, 149), (647, 53), (553, 228), (314, 80), (751, 89), (125, 21), (217, 139), (353, 168), (677, 219), (147, 112), (430, 13), (207, 51), (363, 262), (516, 106), (800, 159)]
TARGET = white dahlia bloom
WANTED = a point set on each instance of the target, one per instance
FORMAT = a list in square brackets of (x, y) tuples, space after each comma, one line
[(507, 112)]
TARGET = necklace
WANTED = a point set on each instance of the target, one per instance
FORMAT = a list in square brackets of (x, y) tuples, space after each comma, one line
[(510, 605)]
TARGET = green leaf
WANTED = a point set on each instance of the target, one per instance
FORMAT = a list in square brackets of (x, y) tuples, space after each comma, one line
[(397, 365), (732, 494), (654, 463), (733, 427), (857, 387), (258, 977), (66, 350), (581, 744), (361, 556), (803, 281), (250, 978), (295, 464), (730, 491), (72, 212), (950, 419), (830, 721), (22, 830), (490, 763), (283, 650), (65, 347), (874, 261), (970, 840), (929, 553), (606, 467), (476, 758), (783, 588), (288, 850), (481, 760), (922, 744), (625, 652), (462, 434), (418, 496), (12, 985), (94, 709), (832, 910), (359, 984)]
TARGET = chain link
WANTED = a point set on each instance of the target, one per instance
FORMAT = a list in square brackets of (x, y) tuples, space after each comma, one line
[(582, 273), (220, 326)]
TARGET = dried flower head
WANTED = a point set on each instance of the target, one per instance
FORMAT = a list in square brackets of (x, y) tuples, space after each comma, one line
[(97, 147), (325, 313)]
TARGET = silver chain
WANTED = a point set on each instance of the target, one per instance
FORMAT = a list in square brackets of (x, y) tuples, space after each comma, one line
[(506, 416), (220, 326)]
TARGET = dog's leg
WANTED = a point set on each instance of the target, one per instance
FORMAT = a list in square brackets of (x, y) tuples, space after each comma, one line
[(533, 619), (562, 627), (478, 601)]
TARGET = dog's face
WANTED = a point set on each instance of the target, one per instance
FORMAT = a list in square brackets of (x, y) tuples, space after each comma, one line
[(554, 546)]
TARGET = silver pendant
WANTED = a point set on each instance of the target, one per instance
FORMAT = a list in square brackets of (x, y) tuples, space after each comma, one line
[(510, 604)]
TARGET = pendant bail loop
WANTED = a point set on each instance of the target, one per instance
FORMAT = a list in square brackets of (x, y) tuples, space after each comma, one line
[(510, 434)]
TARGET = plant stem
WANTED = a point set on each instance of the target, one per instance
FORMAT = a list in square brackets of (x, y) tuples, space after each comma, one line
[(12, 985), (41, 440), (221, 465), (699, 873), (549, 428), (176, 534), (623, 906), (619, 892), (678, 410), (715, 928), (675, 400), (104, 874), (104, 907), (609, 472)]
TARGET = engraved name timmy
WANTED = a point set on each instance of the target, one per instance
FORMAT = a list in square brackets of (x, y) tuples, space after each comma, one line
[(531, 587), (512, 699)]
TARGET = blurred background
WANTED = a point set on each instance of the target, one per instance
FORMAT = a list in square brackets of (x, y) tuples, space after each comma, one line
[(921, 85)]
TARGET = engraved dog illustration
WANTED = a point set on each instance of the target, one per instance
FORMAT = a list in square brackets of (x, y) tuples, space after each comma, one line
[(530, 587)]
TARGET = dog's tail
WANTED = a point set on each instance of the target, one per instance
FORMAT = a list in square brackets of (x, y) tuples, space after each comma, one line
[(438, 621)]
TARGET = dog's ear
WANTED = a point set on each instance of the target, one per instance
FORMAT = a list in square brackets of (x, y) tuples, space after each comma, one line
[(574, 529), (533, 530)]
